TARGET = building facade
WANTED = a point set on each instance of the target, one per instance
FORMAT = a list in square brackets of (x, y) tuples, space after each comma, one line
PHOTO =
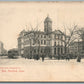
[(47, 42), (76, 47)]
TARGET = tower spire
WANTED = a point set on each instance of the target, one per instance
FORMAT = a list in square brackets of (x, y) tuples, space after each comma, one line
[(48, 24)]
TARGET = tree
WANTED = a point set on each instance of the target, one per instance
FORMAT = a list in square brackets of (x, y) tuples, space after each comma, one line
[(35, 38), (37, 41), (70, 38), (48, 47), (80, 33)]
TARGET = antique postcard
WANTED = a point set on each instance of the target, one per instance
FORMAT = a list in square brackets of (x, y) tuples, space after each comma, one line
[(42, 41)]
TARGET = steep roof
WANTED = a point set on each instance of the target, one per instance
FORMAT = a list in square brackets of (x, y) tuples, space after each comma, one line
[(38, 32), (48, 19), (58, 32), (76, 43)]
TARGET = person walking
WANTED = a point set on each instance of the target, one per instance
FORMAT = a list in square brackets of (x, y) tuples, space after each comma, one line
[(68, 57), (79, 58), (42, 58)]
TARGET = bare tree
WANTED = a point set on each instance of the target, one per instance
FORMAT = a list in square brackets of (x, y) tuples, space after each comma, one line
[(70, 38), (35, 37), (80, 33)]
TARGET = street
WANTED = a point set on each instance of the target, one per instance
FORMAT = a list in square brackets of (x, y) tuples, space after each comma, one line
[(33, 70)]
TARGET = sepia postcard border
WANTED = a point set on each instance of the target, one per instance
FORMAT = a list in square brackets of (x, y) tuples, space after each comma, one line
[(40, 82)]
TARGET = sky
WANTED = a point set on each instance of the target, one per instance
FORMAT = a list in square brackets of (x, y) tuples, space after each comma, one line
[(16, 16)]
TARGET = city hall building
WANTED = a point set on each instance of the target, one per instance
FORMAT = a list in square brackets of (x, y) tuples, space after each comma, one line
[(47, 42)]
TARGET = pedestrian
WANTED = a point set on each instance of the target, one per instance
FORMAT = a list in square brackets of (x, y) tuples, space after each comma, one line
[(68, 58), (42, 58), (79, 59), (37, 57)]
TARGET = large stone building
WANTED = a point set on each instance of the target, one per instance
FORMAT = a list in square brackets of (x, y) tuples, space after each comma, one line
[(47, 42)]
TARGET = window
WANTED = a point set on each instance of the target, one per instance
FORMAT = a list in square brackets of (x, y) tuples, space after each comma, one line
[(31, 52), (58, 36), (22, 40), (44, 42), (58, 51), (55, 36), (49, 42), (33, 42), (61, 37), (44, 36), (41, 36), (54, 43), (41, 51), (49, 36), (55, 51), (61, 51), (59, 42), (22, 46), (34, 51), (41, 41), (22, 52), (63, 44), (38, 35), (38, 41)]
